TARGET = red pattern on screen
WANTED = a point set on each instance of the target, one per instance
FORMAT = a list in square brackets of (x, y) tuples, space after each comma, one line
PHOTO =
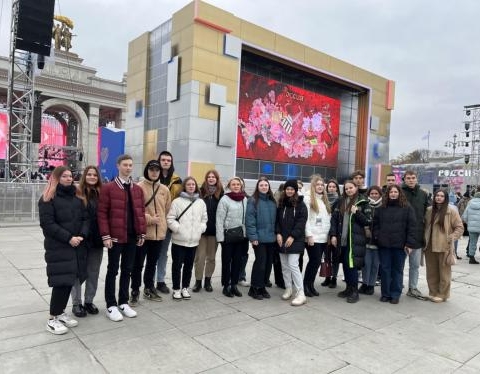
[(284, 123)]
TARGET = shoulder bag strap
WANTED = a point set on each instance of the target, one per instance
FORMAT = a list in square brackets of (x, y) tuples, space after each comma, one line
[(181, 214), (153, 196)]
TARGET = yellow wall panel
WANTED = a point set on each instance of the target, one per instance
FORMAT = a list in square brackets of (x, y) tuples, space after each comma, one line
[(150, 146), (208, 39), (289, 48), (207, 111), (211, 63), (232, 89), (182, 18), (317, 59), (257, 35), (138, 45), (199, 169), (341, 68)]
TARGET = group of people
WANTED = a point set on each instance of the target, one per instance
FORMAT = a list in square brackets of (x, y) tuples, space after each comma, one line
[(369, 230)]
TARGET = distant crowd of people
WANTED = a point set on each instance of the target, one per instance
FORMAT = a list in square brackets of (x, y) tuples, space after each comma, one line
[(369, 231)]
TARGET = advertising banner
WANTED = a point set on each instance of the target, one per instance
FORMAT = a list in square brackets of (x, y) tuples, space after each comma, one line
[(285, 123), (111, 144)]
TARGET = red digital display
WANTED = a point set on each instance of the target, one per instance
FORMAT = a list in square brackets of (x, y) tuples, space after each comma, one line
[(285, 123)]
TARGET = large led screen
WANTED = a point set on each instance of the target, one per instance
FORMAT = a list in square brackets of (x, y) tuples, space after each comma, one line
[(285, 123)]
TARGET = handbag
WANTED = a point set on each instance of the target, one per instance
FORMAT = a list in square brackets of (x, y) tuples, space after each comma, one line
[(451, 258), (325, 269), (235, 234)]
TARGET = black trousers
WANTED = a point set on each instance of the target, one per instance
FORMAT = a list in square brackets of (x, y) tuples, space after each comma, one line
[(125, 251), (59, 299), (315, 253), (263, 264), (277, 270), (149, 250), (182, 256), (231, 260)]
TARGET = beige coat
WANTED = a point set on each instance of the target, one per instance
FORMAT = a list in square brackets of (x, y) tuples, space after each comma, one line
[(443, 241), (159, 206)]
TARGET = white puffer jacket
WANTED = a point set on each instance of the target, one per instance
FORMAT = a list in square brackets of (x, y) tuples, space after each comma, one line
[(192, 224), (318, 224)]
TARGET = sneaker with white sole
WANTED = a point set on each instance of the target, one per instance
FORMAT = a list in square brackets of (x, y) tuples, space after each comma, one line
[(67, 320), (414, 292), (56, 327), (127, 311), (114, 314), (186, 294), (177, 295), (244, 283), (151, 294)]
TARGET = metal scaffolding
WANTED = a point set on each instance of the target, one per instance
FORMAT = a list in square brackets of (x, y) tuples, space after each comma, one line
[(472, 128), (21, 100)]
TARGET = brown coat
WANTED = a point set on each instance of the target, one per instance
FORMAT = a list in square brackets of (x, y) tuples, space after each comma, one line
[(160, 206), (443, 241)]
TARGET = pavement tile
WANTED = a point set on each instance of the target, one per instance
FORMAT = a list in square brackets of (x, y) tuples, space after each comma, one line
[(243, 341), (319, 329), (294, 357), (430, 363), (224, 369), (22, 299), (215, 324), (67, 356), (161, 352), (377, 352)]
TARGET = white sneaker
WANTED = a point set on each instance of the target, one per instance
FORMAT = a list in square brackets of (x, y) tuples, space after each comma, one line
[(67, 320), (127, 311), (244, 283), (56, 327), (177, 295), (186, 294), (114, 314), (300, 299), (287, 294)]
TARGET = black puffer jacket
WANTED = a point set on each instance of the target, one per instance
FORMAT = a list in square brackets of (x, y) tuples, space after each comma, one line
[(356, 239), (94, 238), (62, 218), (394, 226), (212, 203), (291, 221), (418, 199)]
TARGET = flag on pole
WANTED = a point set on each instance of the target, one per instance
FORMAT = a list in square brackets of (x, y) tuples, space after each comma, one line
[(426, 136)]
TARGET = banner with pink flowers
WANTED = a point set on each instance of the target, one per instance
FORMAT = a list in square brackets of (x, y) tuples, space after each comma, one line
[(285, 123)]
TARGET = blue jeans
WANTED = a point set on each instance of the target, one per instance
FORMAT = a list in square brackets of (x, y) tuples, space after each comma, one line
[(163, 257), (370, 269), (414, 265), (392, 263), (472, 242)]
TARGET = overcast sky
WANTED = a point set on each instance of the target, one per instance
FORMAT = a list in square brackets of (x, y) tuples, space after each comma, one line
[(429, 48)]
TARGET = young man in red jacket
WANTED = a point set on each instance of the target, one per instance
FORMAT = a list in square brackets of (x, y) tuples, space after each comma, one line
[(121, 221)]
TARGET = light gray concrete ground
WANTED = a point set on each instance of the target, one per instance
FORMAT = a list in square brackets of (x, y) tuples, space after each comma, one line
[(215, 334)]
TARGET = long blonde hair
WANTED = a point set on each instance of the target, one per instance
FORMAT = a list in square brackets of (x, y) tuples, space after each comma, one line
[(51, 187), (313, 195)]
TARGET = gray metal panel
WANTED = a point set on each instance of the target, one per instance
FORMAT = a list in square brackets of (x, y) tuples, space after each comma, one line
[(172, 79), (218, 94), (227, 126), (232, 46)]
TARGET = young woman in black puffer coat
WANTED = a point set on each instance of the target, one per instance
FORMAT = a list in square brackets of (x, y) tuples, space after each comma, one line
[(64, 221), (347, 235), (292, 217)]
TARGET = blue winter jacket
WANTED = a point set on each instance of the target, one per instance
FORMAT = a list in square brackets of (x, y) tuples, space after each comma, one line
[(471, 215), (260, 219)]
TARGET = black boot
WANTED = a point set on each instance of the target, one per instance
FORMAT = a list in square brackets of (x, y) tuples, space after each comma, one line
[(255, 293), (363, 289), (345, 293), (264, 293), (326, 282), (208, 284), (472, 260), (313, 290), (235, 291), (227, 291), (198, 286), (370, 290), (333, 283), (353, 297), (307, 291)]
